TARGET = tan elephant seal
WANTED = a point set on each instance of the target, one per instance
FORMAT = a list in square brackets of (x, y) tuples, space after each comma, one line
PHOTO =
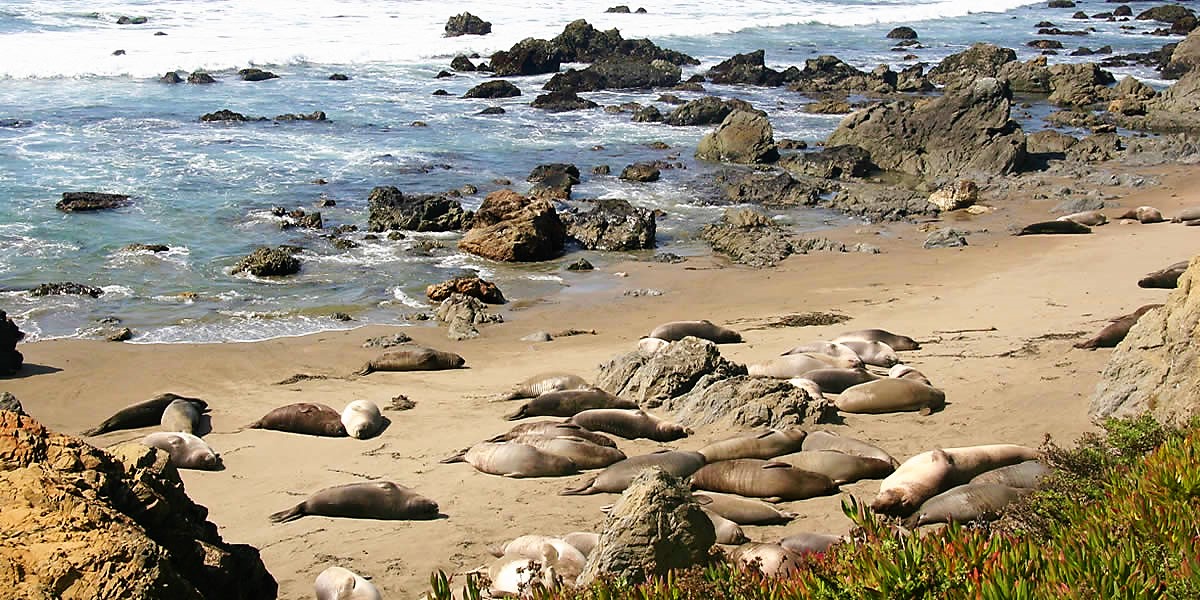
[(583, 453), (1091, 218), (336, 583), (630, 424), (897, 342), (181, 415), (1027, 475), (568, 403), (836, 381), (1191, 213), (930, 473), (413, 359), (967, 502), (907, 372), (1144, 214), (834, 349), (512, 459), (554, 429), (789, 366), (810, 387), (772, 560), (755, 478), (1115, 332), (364, 500), (891, 395), (584, 541), (765, 444), (808, 542), (743, 511), (309, 418), (512, 576), (361, 419), (143, 414), (728, 532), (542, 383), (841, 468), (827, 440), (618, 476), (874, 353), (186, 450), (705, 330), (570, 560)]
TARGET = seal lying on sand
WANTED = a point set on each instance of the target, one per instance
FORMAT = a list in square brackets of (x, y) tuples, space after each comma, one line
[(743, 511), (571, 560), (186, 450), (772, 560), (618, 476), (835, 349), (568, 403), (836, 381), (513, 459), (1091, 218), (964, 503), (583, 453), (1028, 475), (361, 419), (544, 382), (1114, 332), (364, 500), (756, 478), (308, 418), (554, 429), (1167, 278), (413, 359), (841, 468), (705, 330), (896, 341), (765, 444), (806, 542), (1144, 214), (630, 424), (875, 353), (336, 583), (930, 473), (727, 531), (1054, 227), (143, 414), (827, 440), (181, 415), (890, 394)]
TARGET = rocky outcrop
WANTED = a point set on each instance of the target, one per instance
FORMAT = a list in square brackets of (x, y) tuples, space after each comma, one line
[(580, 42), (749, 69), (82, 523), (613, 224), (553, 180), (978, 61), (269, 262), (90, 201), (512, 228), (472, 286), (876, 202), (462, 313), (10, 358), (1184, 58), (391, 209), (527, 57), (831, 162), (562, 101), (253, 74), (960, 133), (467, 24), (706, 111), (641, 172), (616, 73), (828, 73), (749, 237), (743, 137), (743, 402), (770, 187), (1079, 84), (66, 288), (1156, 368), (654, 527), (653, 379), (10, 403), (493, 89)]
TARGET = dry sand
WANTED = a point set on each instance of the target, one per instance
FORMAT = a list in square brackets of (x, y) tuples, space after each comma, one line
[(1014, 384)]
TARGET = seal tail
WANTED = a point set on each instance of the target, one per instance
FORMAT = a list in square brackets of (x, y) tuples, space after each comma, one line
[(520, 414), (582, 490), (289, 515), (1091, 344), (497, 439), (366, 369), (97, 430), (457, 457)]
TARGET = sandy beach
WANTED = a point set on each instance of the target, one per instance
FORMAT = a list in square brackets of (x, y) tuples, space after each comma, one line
[(1015, 383)]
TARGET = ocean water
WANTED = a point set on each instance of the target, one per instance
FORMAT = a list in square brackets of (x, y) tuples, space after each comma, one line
[(75, 117)]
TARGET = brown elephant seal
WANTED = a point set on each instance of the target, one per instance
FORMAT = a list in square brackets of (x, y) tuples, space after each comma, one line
[(583, 541), (570, 560), (1026, 475), (808, 542), (965, 503), (907, 372), (1143, 214), (874, 353), (891, 395), (308, 418), (789, 366), (617, 477), (728, 532), (836, 381), (765, 444), (568, 403), (1167, 278), (554, 429), (705, 330), (630, 424), (897, 342), (513, 459), (743, 511), (181, 415), (827, 440), (1091, 218), (930, 473), (841, 468), (143, 414), (1054, 227), (361, 419), (772, 560), (583, 453), (755, 478), (413, 359), (542, 383), (834, 349), (186, 450), (364, 500), (1114, 332), (651, 345), (336, 583)]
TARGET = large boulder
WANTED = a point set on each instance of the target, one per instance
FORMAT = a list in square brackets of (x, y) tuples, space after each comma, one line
[(769, 187), (462, 313), (1156, 368), (749, 68), (828, 73), (467, 24), (10, 359), (654, 527), (90, 201), (613, 224), (1031, 77), (831, 162), (527, 57), (978, 61), (653, 379), (963, 132), (743, 402), (1166, 13), (84, 523), (269, 262), (1184, 58), (497, 88), (743, 137), (471, 285), (617, 73), (553, 180), (749, 237), (562, 101), (391, 209), (706, 111), (512, 228), (875, 202), (1079, 84)]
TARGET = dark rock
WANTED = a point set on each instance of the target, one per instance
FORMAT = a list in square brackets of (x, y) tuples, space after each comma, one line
[(647, 114), (743, 137), (651, 380), (391, 209), (252, 74), (66, 288), (945, 237), (90, 201), (8, 401), (316, 115), (124, 20), (580, 265), (440, 93), (902, 33), (146, 248), (553, 181), (1123, 11), (462, 63), (10, 359), (769, 188), (1060, 4), (467, 24), (669, 258), (1167, 13), (512, 228), (749, 69), (706, 111), (601, 170), (200, 77), (339, 77), (830, 74), (269, 262), (492, 110), (171, 77), (980, 60), (1045, 44), (877, 203), (527, 57), (831, 162), (643, 172), (1096, 148), (580, 42), (619, 9), (749, 237), (617, 72), (1079, 15), (443, 75), (613, 225), (472, 286), (562, 101), (223, 115), (493, 89)]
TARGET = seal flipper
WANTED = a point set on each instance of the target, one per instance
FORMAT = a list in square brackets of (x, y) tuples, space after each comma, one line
[(583, 490), (457, 457), (520, 414), (289, 515), (366, 369), (102, 428)]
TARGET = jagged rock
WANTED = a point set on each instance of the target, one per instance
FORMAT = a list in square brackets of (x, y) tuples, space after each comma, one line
[(527, 57), (945, 237), (512, 228), (749, 69), (1130, 87), (86, 523), (387, 341), (651, 380), (1096, 148), (316, 115), (654, 527), (749, 237), (706, 111), (1079, 84), (89, 201), (831, 162), (978, 61), (616, 73), (471, 286), (647, 114), (463, 313), (562, 101), (1049, 141), (1031, 77), (66, 288), (1184, 58), (963, 132), (391, 209), (580, 42), (828, 73), (467, 24), (743, 402), (613, 224), (269, 262), (493, 89), (743, 137), (462, 63), (643, 172), (960, 194), (10, 403), (553, 181), (770, 188), (10, 359), (224, 115), (200, 78), (580, 265), (1167, 13), (171, 77), (1156, 369)]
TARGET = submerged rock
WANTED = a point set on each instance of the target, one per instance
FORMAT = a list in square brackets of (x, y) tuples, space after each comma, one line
[(66, 288), (269, 262), (391, 209), (90, 201)]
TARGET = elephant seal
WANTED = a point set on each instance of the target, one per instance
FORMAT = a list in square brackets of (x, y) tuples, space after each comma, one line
[(772, 560), (809, 386), (1188, 214), (583, 541), (827, 440), (728, 532), (807, 542), (186, 450), (583, 453), (755, 478), (874, 353), (907, 372), (617, 477), (788, 366), (897, 342), (568, 403), (1054, 227), (651, 345), (964, 503), (891, 395), (541, 383), (308, 418), (630, 424), (766, 444), (1091, 218), (1144, 214), (1167, 278), (1114, 332), (834, 349), (836, 381), (363, 500), (361, 419), (143, 414), (181, 415), (412, 359), (570, 561), (336, 583), (930, 473), (743, 511), (554, 429), (705, 330), (841, 468), (513, 459), (1027, 475), (514, 575)]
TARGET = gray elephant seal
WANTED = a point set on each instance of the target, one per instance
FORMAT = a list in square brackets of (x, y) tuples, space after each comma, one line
[(413, 359), (756, 478), (630, 424), (1091, 218), (361, 419), (186, 450), (583, 453), (807, 542), (1167, 278), (897, 342), (728, 532), (181, 415), (891, 395), (930, 473), (833, 349), (545, 382), (789, 366), (873, 353), (907, 372), (336, 583), (513, 459), (143, 414), (1054, 227), (1114, 332), (1144, 214), (827, 440), (705, 330), (365, 500), (1027, 475), (841, 468), (772, 560), (617, 477), (568, 403), (308, 418), (554, 429), (836, 381), (743, 511), (766, 444), (964, 503)]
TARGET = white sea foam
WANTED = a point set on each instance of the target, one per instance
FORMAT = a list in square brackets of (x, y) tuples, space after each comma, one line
[(407, 300)]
